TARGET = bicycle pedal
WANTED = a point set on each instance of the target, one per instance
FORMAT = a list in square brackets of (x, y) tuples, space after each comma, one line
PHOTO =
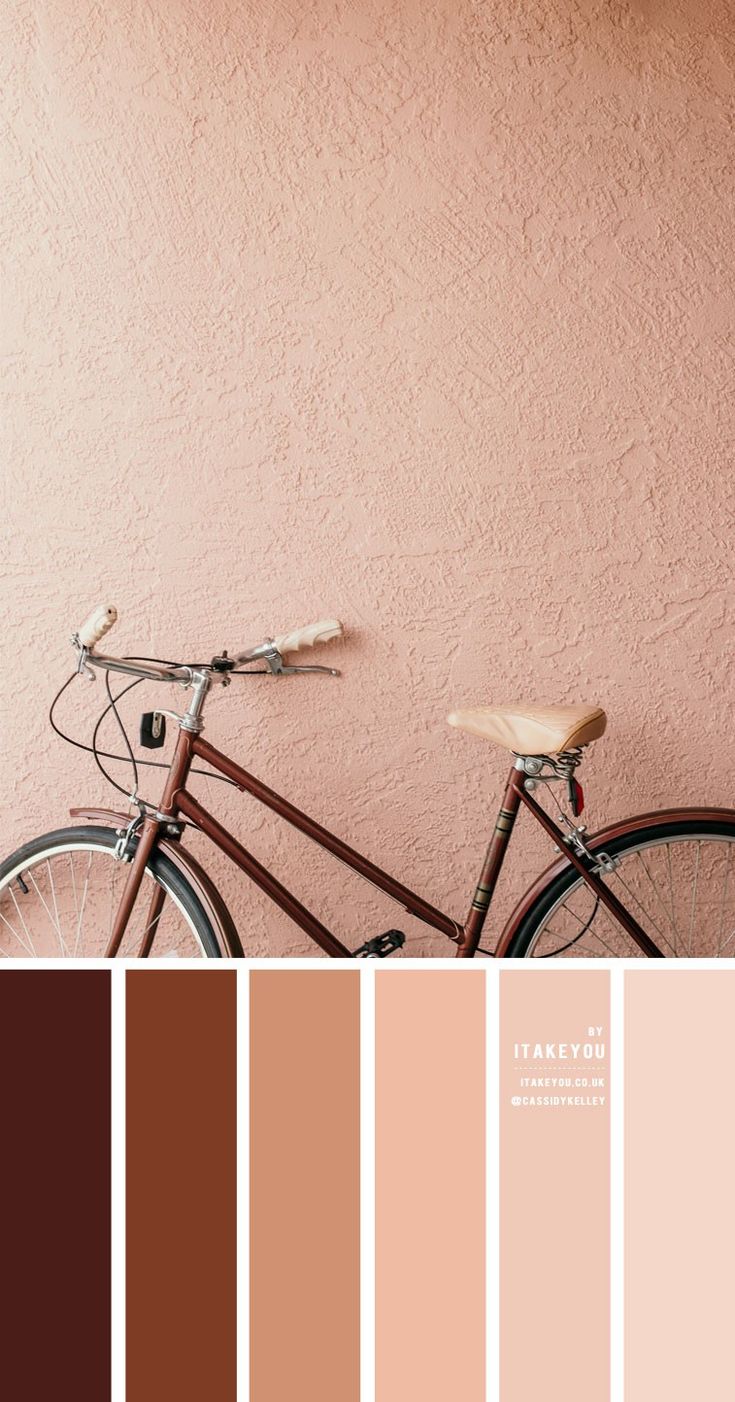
[(380, 946)]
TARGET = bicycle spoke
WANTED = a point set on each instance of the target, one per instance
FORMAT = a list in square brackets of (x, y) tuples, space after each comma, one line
[(56, 908), (76, 899), (43, 903), (26, 931), (84, 900), (16, 936), (728, 942), (724, 901), (642, 908), (694, 899), (60, 903), (671, 890), (681, 890), (656, 891), (578, 945), (585, 925)]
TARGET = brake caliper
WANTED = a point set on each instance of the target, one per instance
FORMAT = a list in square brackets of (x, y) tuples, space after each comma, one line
[(124, 847)]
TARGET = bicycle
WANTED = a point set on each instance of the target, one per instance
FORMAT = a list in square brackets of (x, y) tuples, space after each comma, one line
[(119, 884)]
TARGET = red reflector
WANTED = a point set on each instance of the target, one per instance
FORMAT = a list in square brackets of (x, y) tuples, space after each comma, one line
[(577, 798)]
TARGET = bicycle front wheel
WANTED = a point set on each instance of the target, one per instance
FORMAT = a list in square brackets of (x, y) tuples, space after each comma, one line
[(59, 895), (677, 880)]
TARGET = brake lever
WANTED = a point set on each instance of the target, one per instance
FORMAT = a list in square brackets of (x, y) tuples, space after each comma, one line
[(329, 671), (272, 657), (83, 670)]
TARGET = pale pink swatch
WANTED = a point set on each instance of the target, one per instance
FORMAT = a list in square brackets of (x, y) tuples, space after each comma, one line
[(554, 1186), (430, 1186), (679, 1176)]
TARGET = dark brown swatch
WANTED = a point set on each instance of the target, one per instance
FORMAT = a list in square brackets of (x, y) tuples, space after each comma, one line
[(55, 1185), (181, 1185), (304, 1186)]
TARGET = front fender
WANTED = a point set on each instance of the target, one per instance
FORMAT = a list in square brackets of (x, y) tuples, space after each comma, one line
[(189, 868), (596, 843)]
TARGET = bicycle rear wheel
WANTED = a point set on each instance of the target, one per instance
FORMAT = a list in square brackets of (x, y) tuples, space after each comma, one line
[(59, 894), (677, 880)]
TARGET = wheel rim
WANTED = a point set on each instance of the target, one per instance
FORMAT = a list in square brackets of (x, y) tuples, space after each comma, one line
[(66, 911), (680, 888)]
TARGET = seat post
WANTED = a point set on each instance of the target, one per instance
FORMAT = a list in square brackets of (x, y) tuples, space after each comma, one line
[(492, 864)]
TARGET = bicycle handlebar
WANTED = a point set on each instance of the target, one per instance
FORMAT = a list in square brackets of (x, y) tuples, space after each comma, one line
[(95, 626), (103, 618), (99, 622), (312, 633)]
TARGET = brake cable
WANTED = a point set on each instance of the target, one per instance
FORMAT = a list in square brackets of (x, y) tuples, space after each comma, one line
[(130, 758)]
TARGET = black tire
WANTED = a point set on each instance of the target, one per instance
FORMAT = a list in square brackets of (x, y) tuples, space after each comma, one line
[(160, 868), (700, 830)]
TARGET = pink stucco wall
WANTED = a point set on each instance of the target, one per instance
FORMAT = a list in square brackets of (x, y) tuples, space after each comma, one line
[(418, 315)]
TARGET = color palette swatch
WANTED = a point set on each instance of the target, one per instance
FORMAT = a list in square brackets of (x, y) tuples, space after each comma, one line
[(181, 1185), (55, 1185), (363, 1185), (555, 1184), (430, 1186), (305, 1185), (679, 1173)]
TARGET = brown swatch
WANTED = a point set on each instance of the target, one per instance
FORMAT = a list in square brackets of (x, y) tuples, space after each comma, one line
[(55, 1185), (181, 1185), (304, 1186)]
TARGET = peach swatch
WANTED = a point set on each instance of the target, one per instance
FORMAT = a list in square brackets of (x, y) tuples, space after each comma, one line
[(430, 1185)]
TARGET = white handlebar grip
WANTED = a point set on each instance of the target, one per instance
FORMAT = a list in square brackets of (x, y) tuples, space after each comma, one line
[(100, 621), (306, 637)]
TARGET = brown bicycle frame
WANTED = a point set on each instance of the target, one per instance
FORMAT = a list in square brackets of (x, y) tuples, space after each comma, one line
[(178, 802)]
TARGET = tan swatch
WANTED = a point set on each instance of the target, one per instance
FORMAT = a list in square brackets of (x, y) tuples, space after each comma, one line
[(304, 1186)]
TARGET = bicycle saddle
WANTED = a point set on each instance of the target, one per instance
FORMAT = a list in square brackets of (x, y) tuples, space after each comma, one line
[(533, 730)]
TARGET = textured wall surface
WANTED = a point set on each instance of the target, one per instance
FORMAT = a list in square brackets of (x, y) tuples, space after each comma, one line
[(417, 315)]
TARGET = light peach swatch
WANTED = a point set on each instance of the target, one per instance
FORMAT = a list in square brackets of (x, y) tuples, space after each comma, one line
[(679, 1175), (554, 1186), (430, 1186)]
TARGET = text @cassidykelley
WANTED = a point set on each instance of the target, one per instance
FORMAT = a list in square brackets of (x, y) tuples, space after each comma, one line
[(566, 1075)]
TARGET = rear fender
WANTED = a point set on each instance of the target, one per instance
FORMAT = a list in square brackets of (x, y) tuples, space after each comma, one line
[(189, 868)]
